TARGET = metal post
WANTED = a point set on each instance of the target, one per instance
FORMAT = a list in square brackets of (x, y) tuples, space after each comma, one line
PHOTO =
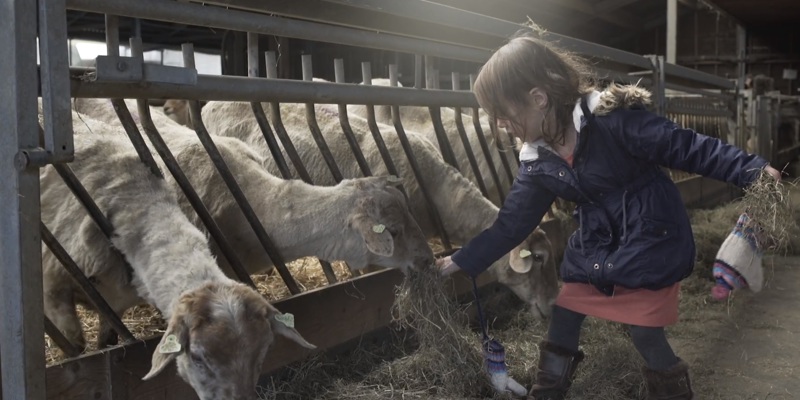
[(741, 54), (659, 80), (22, 362)]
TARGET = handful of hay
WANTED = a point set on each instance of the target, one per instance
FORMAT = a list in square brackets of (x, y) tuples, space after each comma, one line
[(768, 206)]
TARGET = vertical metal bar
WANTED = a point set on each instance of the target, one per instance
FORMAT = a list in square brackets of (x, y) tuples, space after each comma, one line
[(54, 74), (498, 140), (366, 74), (311, 119), (275, 112), (418, 77), (672, 30), (97, 300), (436, 117), (124, 115), (224, 171), (58, 338), (258, 111), (501, 149), (22, 362), (741, 54), (412, 161), (659, 80), (465, 140), (338, 67)]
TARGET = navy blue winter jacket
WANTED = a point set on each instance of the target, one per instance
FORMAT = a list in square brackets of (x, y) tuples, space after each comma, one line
[(634, 230)]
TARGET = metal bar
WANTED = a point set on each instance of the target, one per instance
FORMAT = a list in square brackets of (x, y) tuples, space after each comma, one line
[(58, 338), (216, 17), (343, 15), (476, 123), (235, 88), (412, 162), (311, 120), (741, 53), (124, 115), (418, 77), (277, 122), (54, 75), (679, 109), (22, 362), (431, 78), (338, 67), (366, 75), (676, 71), (230, 181), (672, 30), (658, 84), (94, 297), (497, 138), (705, 93), (464, 139), (258, 111)]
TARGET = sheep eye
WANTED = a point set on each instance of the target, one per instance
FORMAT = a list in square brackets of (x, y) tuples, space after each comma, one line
[(196, 359), (538, 257)]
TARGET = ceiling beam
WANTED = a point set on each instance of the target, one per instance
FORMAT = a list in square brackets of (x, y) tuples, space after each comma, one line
[(602, 8), (619, 18)]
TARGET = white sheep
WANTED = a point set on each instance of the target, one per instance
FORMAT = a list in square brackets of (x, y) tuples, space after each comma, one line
[(173, 269), (178, 111), (363, 221), (464, 211), (418, 119)]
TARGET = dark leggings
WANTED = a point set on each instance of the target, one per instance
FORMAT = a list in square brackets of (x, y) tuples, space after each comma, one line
[(565, 331)]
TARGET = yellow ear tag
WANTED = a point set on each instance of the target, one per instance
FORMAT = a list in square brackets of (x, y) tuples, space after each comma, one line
[(524, 253), (287, 319), (379, 228), (170, 346)]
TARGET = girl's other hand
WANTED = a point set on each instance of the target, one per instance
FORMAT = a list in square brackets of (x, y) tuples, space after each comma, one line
[(773, 172)]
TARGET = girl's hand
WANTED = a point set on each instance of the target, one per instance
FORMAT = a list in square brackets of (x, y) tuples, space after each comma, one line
[(446, 266), (774, 172)]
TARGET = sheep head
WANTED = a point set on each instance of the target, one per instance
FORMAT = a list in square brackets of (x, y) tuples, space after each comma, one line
[(531, 273), (218, 336), (391, 236)]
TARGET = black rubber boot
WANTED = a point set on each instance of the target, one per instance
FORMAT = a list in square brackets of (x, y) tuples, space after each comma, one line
[(672, 384), (557, 367)]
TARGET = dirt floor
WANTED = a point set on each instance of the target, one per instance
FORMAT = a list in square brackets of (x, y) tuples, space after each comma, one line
[(749, 348)]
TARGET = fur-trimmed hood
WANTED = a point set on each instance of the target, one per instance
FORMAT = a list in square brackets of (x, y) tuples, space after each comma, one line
[(621, 96), (614, 97)]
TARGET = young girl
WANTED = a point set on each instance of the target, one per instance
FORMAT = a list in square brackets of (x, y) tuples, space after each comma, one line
[(604, 152)]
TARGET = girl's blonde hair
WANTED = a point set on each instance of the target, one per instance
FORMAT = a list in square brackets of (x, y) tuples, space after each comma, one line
[(528, 61)]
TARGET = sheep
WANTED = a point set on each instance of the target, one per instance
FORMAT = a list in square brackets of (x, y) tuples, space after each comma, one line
[(418, 119), (178, 111), (331, 223), (173, 269), (464, 211)]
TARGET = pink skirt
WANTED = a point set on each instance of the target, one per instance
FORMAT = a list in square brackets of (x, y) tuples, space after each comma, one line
[(642, 307)]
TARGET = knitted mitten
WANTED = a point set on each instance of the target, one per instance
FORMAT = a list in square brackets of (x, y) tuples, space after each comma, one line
[(495, 356), (738, 261)]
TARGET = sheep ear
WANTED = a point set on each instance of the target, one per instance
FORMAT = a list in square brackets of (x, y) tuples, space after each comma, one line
[(283, 324), (520, 260), (172, 344), (377, 238)]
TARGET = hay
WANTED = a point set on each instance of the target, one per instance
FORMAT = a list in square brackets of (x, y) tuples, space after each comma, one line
[(768, 204), (448, 361)]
